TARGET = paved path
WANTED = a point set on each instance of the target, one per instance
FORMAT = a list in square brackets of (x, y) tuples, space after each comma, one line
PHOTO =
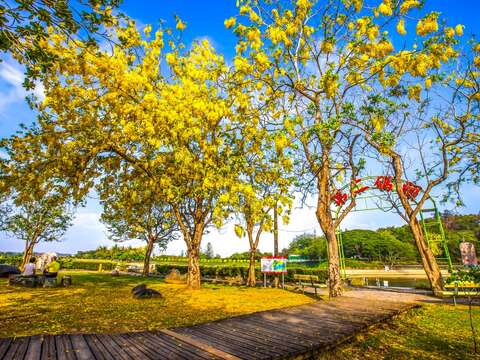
[(299, 332)]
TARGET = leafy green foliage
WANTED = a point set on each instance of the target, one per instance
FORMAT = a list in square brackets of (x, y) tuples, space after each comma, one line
[(392, 244), (116, 252), (377, 245), (132, 210), (457, 228), (308, 245), (246, 255), (35, 220)]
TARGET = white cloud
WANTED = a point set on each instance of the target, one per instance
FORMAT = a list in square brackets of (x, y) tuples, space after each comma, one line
[(210, 40), (13, 78), (11, 84)]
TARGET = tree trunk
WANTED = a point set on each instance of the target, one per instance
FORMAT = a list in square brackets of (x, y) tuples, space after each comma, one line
[(27, 254), (428, 259), (193, 241), (251, 279), (334, 279), (148, 254), (275, 242), (429, 262), (327, 224), (193, 276)]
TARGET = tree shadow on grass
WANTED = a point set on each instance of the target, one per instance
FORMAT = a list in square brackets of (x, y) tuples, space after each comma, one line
[(102, 303)]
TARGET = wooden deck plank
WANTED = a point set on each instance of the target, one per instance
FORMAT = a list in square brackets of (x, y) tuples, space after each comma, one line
[(201, 349), (127, 346), (176, 349), (4, 345), (64, 348), (34, 351), (304, 335), (22, 348), (228, 347), (14, 347), (315, 322), (111, 347), (10, 354), (264, 333), (99, 351), (167, 349), (251, 345), (155, 349), (147, 352), (80, 347), (49, 350)]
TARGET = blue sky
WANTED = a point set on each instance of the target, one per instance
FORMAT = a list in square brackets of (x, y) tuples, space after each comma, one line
[(204, 20)]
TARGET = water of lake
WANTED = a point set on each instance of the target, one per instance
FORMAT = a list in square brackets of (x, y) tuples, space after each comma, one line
[(405, 282)]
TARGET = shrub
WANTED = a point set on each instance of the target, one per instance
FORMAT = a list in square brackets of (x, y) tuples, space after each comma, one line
[(11, 259), (212, 271), (77, 264)]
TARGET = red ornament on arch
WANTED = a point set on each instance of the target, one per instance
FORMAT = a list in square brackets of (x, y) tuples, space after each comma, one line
[(340, 198), (411, 190), (384, 183)]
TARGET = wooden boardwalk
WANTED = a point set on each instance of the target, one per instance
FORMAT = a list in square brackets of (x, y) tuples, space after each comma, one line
[(298, 332)]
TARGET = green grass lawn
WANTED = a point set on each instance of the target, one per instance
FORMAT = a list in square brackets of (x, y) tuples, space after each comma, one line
[(430, 332), (98, 302)]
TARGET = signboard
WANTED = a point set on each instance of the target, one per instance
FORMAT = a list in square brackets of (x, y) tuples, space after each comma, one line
[(273, 265), (467, 250)]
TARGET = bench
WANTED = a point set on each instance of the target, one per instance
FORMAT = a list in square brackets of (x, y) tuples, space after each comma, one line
[(308, 280), (457, 288), (27, 281)]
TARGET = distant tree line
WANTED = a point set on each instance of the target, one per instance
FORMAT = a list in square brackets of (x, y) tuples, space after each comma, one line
[(392, 244)]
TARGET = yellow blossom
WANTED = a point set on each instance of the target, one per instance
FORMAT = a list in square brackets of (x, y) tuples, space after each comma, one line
[(414, 92), (357, 4), (385, 8), (181, 25), (409, 4), (147, 29), (401, 27), (304, 4), (428, 83), (262, 60), (427, 25), (476, 61), (449, 32), (459, 29), (170, 58), (230, 22), (327, 46)]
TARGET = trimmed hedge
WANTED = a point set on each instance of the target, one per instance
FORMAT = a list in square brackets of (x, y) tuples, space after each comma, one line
[(181, 260), (224, 271), (11, 260), (77, 264)]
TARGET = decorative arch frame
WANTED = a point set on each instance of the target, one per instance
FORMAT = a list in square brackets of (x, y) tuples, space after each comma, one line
[(382, 188)]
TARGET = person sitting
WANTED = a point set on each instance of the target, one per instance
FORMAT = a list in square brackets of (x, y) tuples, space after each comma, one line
[(52, 268), (29, 270)]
